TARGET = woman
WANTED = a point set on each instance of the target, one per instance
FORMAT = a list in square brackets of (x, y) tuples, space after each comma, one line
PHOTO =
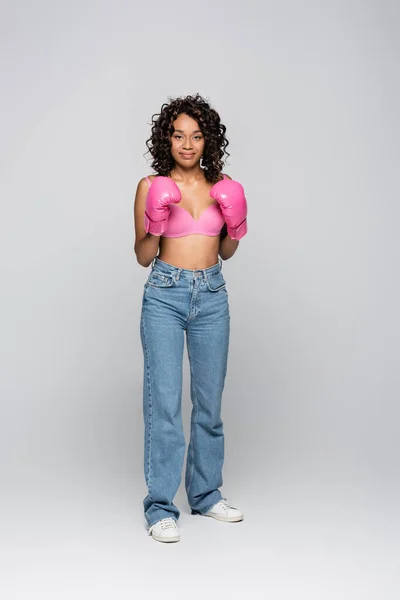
[(191, 213)]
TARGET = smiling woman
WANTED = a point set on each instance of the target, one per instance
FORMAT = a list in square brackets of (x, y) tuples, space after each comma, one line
[(193, 214)]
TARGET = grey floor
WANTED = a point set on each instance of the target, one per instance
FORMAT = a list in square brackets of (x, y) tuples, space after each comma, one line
[(299, 539)]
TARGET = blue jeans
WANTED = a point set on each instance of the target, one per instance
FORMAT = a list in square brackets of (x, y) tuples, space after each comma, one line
[(175, 301)]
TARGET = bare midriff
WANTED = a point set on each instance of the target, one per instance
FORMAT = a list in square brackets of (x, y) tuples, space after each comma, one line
[(194, 251)]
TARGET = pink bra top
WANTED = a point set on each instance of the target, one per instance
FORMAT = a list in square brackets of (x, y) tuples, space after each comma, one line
[(181, 222)]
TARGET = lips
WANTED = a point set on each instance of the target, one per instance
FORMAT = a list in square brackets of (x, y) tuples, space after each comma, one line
[(186, 155)]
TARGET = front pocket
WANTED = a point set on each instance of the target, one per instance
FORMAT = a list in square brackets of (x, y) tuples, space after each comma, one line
[(156, 279), (216, 282)]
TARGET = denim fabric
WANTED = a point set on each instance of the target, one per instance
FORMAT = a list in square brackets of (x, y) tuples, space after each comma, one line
[(175, 301)]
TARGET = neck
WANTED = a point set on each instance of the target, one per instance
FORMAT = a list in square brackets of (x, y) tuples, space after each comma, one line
[(187, 174)]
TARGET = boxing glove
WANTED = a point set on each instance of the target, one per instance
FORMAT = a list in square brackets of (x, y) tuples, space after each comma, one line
[(162, 192), (230, 196)]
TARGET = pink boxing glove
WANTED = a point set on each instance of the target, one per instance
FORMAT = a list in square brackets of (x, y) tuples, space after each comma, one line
[(162, 192), (230, 196)]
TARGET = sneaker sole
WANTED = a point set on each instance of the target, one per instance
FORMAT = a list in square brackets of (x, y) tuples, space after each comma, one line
[(225, 519), (165, 539)]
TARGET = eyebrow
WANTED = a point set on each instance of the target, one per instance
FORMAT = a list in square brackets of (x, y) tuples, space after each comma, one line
[(195, 131)]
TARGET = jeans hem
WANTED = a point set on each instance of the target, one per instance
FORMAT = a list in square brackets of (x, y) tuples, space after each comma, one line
[(197, 512)]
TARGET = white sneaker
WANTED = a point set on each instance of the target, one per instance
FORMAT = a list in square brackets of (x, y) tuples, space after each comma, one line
[(224, 512), (165, 530)]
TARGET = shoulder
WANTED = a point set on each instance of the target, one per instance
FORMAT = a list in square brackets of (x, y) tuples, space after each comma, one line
[(143, 185), (226, 176), (144, 182), (151, 177), (141, 189)]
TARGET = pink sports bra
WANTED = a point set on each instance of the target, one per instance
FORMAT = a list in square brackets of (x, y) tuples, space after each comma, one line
[(181, 222)]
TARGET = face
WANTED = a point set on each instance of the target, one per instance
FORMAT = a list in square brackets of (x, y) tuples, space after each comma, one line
[(187, 141)]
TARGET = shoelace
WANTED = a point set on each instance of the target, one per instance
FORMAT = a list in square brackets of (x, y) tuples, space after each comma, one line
[(224, 504), (165, 524), (168, 522)]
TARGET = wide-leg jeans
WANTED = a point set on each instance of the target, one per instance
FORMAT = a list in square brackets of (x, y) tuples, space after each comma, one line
[(178, 301)]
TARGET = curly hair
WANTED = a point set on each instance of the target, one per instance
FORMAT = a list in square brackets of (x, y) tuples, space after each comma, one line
[(208, 119)]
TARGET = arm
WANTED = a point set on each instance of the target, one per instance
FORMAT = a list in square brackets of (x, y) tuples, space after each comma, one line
[(146, 244), (227, 246)]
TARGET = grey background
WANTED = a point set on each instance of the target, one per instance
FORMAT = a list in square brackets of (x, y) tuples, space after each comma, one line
[(309, 93)]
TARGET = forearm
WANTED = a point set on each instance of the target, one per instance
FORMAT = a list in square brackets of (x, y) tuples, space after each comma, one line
[(227, 247), (147, 249)]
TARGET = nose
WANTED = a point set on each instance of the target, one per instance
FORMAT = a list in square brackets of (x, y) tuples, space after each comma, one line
[(187, 145)]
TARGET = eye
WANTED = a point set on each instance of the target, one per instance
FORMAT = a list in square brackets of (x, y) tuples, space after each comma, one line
[(198, 137)]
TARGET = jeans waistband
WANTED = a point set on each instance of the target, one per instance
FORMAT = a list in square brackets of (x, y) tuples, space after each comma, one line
[(168, 269)]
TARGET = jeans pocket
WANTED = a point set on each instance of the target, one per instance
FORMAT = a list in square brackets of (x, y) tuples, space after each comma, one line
[(156, 279), (216, 282)]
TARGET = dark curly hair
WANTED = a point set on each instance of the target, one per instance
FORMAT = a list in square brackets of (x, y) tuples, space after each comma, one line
[(210, 124)]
